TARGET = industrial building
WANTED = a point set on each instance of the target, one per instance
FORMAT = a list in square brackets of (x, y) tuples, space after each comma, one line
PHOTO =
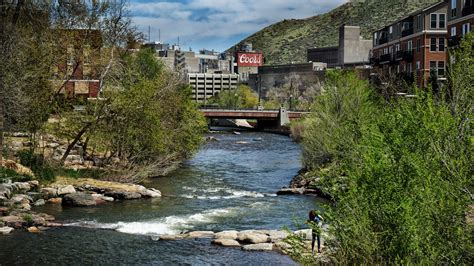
[(352, 50), (300, 76)]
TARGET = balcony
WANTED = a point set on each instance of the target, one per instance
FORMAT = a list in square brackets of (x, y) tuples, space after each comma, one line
[(383, 40), (399, 55), (374, 61), (454, 41), (407, 32), (407, 55), (467, 10), (385, 58)]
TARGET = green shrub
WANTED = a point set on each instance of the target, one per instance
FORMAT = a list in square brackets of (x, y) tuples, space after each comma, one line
[(406, 166), (9, 174)]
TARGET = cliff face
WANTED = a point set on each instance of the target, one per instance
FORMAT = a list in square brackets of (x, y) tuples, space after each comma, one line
[(288, 40)]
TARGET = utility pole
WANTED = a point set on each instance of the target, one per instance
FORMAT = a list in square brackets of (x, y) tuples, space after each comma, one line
[(159, 35), (149, 34)]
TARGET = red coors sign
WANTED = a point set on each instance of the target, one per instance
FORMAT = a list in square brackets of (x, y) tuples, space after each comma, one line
[(249, 59)]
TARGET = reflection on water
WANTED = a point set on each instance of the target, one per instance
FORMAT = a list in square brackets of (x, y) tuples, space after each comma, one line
[(230, 184)]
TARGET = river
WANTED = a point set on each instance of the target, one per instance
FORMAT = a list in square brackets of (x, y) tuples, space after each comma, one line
[(229, 185)]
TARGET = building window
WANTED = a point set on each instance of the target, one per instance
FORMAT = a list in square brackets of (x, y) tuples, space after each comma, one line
[(437, 67), (453, 8), (433, 44), (410, 46), (418, 45), (466, 28), (442, 21), (397, 47), (418, 65), (410, 67), (438, 21), (453, 31), (434, 21), (441, 44), (419, 22), (440, 68)]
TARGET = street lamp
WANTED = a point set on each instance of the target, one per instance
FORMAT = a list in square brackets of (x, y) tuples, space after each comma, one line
[(291, 101)]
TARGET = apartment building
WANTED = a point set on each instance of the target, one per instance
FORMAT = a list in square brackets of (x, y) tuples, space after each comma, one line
[(415, 44), (460, 19)]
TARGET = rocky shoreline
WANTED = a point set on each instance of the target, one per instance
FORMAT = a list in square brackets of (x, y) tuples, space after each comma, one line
[(17, 200), (304, 184), (249, 240)]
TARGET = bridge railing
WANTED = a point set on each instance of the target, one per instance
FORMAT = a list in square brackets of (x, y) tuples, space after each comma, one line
[(215, 108)]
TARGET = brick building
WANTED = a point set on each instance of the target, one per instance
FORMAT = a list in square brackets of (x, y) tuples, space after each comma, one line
[(76, 74), (460, 19), (413, 46)]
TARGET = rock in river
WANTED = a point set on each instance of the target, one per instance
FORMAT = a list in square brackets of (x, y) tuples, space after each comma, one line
[(258, 247), (201, 234), (6, 230), (252, 238), (79, 200), (226, 242), (227, 235), (66, 190)]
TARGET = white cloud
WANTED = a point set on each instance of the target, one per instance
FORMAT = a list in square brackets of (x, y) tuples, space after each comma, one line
[(214, 21)]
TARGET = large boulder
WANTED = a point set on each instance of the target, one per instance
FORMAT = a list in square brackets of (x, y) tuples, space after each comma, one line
[(79, 200), (22, 186), (49, 192), (39, 202), (14, 221), (122, 195), (21, 199), (63, 190), (151, 193), (226, 242), (258, 247), (55, 200), (201, 234), (6, 230), (276, 235), (252, 238), (227, 235)]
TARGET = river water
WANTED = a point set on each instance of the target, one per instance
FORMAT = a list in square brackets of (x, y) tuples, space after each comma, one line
[(229, 185)]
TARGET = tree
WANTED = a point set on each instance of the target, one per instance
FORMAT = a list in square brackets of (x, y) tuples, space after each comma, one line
[(242, 97), (25, 53)]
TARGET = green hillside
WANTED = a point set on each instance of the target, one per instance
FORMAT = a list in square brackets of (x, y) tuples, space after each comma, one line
[(288, 40)]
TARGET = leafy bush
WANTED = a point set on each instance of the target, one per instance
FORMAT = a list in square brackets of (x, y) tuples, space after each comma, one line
[(242, 97), (406, 166)]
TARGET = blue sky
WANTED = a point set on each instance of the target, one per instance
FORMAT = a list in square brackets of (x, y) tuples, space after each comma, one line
[(217, 24)]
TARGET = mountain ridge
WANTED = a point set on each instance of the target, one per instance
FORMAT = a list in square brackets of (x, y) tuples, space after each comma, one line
[(287, 41)]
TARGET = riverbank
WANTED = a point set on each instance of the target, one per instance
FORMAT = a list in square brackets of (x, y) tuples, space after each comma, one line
[(18, 200), (307, 183)]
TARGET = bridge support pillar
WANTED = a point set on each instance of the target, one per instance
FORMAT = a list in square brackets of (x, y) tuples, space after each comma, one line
[(283, 117)]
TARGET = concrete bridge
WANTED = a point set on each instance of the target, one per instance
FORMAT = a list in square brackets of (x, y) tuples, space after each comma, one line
[(265, 118)]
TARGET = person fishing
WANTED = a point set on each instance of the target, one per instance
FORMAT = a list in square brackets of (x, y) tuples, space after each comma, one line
[(315, 221)]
